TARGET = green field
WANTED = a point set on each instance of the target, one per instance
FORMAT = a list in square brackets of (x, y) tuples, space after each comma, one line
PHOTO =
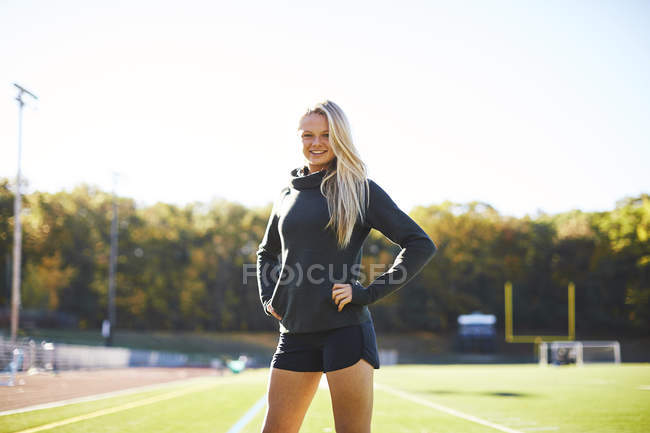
[(408, 398)]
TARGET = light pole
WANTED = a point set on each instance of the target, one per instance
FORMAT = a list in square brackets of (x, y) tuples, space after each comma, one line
[(18, 238), (112, 268)]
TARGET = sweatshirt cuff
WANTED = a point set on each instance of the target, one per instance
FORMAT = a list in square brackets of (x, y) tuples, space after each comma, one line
[(360, 294), (265, 305)]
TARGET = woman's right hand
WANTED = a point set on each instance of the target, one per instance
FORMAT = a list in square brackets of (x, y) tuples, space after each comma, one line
[(272, 311)]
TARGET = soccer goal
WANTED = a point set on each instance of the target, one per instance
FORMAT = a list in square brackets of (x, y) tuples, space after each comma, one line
[(579, 352)]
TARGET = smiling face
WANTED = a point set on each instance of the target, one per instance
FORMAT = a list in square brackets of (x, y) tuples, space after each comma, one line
[(314, 133)]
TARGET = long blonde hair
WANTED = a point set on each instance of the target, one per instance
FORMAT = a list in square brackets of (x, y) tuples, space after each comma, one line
[(345, 184)]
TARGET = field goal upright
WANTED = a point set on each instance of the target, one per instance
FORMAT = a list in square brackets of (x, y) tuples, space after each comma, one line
[(563, 348), (511, 338)]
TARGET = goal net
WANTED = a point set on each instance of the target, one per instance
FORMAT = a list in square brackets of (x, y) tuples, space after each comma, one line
[(579, 352)]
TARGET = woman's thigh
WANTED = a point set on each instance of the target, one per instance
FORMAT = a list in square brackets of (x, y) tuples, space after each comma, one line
[(351, 390), (289, 395)]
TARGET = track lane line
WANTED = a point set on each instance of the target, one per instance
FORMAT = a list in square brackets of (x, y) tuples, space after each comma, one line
[(120, 408), (103, 395)]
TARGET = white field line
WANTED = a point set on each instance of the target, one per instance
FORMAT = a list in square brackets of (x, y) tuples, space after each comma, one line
[(525, 425), (248, 416), (447, 410), (323, 383), (105, 395), (131, 405), (645, 387)]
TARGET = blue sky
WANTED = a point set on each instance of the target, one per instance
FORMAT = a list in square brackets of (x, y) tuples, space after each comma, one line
[(526, 105)]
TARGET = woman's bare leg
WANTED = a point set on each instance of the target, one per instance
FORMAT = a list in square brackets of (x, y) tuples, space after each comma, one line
[(351, 389), (289, 395)]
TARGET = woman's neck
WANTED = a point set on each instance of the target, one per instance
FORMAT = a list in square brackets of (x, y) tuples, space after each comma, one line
[(306, 171), (310, 171)]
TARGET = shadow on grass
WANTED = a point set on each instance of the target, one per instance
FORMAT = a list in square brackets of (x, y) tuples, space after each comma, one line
[(488, 393), (506, 394)]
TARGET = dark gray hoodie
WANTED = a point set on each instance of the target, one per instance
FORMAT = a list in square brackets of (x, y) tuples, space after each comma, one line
[(298, 261)]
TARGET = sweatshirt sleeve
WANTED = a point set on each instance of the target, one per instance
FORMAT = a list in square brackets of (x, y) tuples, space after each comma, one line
[(267, 258), (417, 248)]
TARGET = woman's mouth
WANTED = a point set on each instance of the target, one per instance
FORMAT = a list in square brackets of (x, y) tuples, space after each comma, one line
[(319, 152)]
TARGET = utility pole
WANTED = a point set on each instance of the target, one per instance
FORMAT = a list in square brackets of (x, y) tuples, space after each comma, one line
[(112, 269), (18, 238)]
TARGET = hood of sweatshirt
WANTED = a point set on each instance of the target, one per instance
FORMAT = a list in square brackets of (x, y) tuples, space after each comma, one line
[(299, 180)]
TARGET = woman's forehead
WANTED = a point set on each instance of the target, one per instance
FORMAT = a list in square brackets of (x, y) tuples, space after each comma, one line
[(314, 121)]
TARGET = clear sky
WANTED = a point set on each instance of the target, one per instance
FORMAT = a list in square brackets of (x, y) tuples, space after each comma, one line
[(526, 105)]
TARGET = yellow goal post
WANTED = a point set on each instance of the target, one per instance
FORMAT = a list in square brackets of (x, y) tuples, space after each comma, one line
[(512, 338)]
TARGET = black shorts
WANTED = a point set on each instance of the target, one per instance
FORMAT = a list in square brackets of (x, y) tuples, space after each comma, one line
[(328, 350)]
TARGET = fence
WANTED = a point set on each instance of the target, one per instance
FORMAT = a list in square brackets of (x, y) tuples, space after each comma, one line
[(26, 355)]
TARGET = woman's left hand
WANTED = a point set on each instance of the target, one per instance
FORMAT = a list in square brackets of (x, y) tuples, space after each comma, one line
[(341, 294)]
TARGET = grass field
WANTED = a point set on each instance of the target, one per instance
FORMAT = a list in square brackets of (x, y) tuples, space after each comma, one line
[(408, 398)]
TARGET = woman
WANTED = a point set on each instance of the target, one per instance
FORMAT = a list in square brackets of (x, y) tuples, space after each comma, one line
[(317, 226)]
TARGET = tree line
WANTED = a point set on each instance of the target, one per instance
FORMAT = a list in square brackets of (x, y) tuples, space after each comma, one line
[(180, 268)]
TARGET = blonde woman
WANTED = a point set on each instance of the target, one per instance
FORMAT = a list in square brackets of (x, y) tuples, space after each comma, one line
[(307, 268)]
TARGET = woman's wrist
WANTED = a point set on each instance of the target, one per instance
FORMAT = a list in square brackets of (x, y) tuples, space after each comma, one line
[(360, 294)]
